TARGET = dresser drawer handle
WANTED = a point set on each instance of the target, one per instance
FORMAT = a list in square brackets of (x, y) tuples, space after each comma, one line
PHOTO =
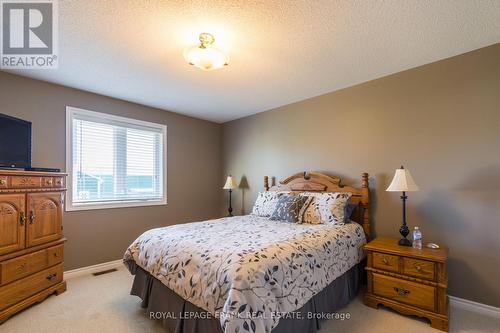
[(22, 218), (418, 267), (385, 261), (401, 291), (32, 217), (51, 276), (2, 182)]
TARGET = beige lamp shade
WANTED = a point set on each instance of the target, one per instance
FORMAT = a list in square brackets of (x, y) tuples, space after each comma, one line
[(230, 183), (402, 182)]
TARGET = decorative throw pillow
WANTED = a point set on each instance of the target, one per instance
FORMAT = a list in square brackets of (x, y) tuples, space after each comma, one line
[(327, 207), (311, 213), (266, 203), (348, 210), (290, 208)]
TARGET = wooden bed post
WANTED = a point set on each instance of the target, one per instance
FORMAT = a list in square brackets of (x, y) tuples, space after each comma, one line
[(266, 183), (365, 203)]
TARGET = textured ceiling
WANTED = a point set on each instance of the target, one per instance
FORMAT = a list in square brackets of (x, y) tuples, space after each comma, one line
[(281, 51)]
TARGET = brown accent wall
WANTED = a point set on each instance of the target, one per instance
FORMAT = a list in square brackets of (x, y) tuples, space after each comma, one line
[(96, 236), (442, 121)]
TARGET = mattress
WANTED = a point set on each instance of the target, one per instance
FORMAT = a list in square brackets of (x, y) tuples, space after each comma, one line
[(248, 270)]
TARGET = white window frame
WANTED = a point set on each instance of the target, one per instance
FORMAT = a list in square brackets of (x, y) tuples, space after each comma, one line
[(71, 112)]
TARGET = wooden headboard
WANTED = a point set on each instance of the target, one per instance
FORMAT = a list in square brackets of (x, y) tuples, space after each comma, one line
[(319, 182)]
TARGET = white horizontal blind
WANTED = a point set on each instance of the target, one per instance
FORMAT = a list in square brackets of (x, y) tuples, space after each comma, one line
[(115, 161)]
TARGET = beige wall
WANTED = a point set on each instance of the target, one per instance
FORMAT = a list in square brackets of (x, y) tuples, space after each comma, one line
[(442, 121), (194, 164)]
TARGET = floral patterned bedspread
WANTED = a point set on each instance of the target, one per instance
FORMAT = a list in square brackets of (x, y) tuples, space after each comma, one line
[(247, 270)]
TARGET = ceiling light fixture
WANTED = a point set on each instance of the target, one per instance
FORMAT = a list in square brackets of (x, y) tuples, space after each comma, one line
[(206, 56)]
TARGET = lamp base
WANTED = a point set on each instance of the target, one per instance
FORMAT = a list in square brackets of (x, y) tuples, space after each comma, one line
[(230, 209), (404, 242), (404, 231)]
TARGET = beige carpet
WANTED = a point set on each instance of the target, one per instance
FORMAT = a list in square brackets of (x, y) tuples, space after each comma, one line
[(103, 304)]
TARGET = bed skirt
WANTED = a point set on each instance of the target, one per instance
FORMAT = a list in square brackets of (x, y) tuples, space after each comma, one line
[(181, 316)]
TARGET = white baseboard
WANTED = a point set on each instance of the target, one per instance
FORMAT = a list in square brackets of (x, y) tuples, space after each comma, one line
[(474, 306), (93, 269)]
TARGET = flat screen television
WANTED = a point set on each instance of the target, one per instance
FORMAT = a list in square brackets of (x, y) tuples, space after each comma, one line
[(15, 142)]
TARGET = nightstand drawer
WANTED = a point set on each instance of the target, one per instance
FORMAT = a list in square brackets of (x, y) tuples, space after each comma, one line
[(419, 268), (403, 291), (386, 262)]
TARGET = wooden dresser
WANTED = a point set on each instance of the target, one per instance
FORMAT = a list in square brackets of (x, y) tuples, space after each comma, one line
[(31, 238), (408, 280)]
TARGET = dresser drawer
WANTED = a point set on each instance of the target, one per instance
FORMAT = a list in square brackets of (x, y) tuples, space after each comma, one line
[(17, 268), (386, 262), (403, 291), (55, 254), (47, 182), (419, 268), (25, 182), (58, 182), (3, 182), (24, 288)]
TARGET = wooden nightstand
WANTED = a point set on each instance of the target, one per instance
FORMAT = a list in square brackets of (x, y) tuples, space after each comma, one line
[(408, 280)]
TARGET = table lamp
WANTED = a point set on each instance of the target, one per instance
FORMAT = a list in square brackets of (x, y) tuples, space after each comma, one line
[(230, 185), (403, 182)]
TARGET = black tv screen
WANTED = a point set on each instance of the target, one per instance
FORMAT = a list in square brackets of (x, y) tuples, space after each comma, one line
[(15, 142)]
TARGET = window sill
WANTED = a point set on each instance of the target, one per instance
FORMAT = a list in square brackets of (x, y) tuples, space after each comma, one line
[(123, 204)]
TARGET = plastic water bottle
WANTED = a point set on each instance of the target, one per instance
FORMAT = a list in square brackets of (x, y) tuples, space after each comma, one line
[(417, 238)]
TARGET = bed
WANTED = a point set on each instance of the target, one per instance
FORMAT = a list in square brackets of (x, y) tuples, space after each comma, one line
[(249, 273)]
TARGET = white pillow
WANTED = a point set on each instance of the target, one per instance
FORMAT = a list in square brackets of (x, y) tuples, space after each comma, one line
[(327, 207), (266, 202)]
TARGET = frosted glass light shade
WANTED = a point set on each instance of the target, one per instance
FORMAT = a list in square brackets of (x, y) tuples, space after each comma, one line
[(402, 182), (206, 58), (230, 183)]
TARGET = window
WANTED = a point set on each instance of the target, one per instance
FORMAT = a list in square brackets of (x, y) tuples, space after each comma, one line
[(114, 161)]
